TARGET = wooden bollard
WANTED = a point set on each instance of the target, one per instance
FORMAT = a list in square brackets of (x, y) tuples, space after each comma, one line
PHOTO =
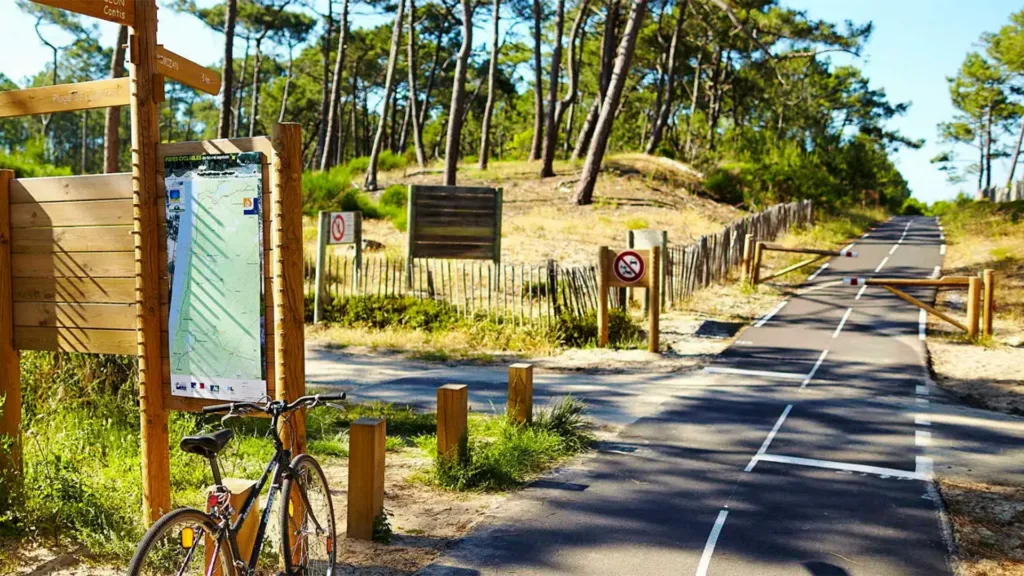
[(973, 304), (367, 437), (520, 393), (755, 267), (988, 278), (239, 489), (452, 434), (654, 313), (748, 249)]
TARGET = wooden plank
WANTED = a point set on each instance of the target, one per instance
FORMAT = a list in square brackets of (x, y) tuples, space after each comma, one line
[(464, 214), (76, 340), (459, 231), (482, 220), (452, 409), (84, 316), (10, 368), (455, 191), (454, 251), (87, 213), (79, 239), (367, 439), (69, 188), (222, 146), (80, 265), (440, 240), (64, 98), (96, 290), (186, 71), (116, 11), (467, 203)]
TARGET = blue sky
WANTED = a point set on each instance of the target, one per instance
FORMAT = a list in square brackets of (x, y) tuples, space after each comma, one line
[(915, 46)]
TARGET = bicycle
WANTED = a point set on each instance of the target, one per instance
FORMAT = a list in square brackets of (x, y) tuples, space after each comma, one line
[(188, 541)]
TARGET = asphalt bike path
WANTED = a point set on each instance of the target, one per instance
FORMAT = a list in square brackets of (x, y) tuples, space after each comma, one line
[(803, 449)]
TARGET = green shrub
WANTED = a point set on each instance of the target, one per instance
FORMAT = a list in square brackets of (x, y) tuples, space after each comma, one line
[(30, 165), (395, 196), (913, 207), (581, 331), (388, 160), (381, 311)]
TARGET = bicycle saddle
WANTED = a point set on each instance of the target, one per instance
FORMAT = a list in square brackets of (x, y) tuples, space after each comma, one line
[(206, 445)]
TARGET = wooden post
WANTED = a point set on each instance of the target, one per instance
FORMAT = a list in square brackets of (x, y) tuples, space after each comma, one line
[(358, 237), (755, 268), (239, 489), (367, 439), (156, 474), (452, 427), (748, 248), (321, 261), (289, 359), (973, 301), (988, 309), (602, 293), (663, 267), (10, 369), (410, 228), (654, 290), (520, 393)]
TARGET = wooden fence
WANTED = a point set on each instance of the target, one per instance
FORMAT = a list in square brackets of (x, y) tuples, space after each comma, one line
[(538, 293)]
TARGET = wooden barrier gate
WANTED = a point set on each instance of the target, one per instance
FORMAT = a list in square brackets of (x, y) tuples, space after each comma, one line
[(83, 265), (754, 264)]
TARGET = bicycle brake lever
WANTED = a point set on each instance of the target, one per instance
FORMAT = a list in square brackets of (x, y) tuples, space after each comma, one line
[(335, 406)]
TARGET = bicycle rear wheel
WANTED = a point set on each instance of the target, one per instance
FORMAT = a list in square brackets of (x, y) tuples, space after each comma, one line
[(307, 524), (183, 542)]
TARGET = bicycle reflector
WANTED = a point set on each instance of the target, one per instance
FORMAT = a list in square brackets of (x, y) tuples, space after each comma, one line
[(212, 500), (330, 545), (188, 538), (291, 508)]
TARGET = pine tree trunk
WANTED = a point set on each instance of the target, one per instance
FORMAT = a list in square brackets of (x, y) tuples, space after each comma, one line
[(241, 91), (287, 84), (550, 139), (228, 72), (378, 139), (325, 86), (492, 77), (339, 63), (454, 139), (1016, 156), (254, 101), (608, 41), (662, 112), (558, 108), (584, 192), (988, 148), (538, 85), (112, 123), (414, 111), (694, 96)]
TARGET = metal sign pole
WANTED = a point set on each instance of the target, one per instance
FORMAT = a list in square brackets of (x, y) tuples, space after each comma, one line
[(321, 261)]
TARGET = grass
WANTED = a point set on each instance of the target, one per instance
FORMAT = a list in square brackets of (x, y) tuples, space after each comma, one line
[(504, 454)]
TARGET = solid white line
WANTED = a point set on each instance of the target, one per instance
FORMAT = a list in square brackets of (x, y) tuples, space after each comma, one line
[(921, 390), (925, 468), (768, 440), (850, 247), (942, 250), (922, 325), (819, 271), (742, 372), (865, 235), (937, 272), (815, 369), (942, 237), (922, 438), (893, 249), (861, 291), (709, 548), (769, 315), (845, 466), (884, 260), (842, 323), (922, 420), (922, 402)]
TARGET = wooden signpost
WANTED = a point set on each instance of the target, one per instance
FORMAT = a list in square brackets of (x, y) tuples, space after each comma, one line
[(336, 228), (83, 263), (629, 269)]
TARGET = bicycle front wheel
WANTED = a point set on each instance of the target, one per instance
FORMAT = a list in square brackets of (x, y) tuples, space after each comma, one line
[(184, 542), (307, 520)]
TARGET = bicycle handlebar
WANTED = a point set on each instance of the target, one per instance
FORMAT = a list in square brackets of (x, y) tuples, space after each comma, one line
[(237, 406)]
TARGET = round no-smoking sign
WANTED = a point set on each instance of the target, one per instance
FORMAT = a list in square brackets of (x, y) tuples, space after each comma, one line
[(628, 267), (337, 228)]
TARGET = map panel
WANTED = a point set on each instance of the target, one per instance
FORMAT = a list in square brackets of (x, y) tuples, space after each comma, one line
[(215, 262)]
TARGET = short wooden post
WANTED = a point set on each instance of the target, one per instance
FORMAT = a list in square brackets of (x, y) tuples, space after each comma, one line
[(654, 290), (321, 262), (452, 429), (988, 309), (239, 489), (520, 393), (973, 303), (10, 369), (748, 249), (367, 439), (755, 268), (145, 130), (602, 296)]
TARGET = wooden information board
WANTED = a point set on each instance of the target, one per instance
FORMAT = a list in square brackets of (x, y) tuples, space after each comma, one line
[(457, 222)]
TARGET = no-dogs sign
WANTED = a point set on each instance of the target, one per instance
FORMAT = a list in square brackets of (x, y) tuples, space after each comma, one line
[(628, 267), (341, 228)]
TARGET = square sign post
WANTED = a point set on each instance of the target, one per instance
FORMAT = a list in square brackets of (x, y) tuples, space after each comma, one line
[(629, 269), (336, 228)]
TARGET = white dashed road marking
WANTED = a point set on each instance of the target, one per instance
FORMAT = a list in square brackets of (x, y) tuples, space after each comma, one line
[(769, 315), (922, 438), (884, 260), (767, 441), (764, 373), (709, 547), (815, 369), (861, 291), (842, 323), (818, 271), (922, 325)]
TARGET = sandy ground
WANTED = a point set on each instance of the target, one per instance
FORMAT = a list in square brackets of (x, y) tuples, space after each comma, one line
[(988, 523)]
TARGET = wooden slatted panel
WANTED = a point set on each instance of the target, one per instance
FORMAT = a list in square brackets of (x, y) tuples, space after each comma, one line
[(455, 251), (76, 340), (96, 290), (455, 222), (83, 239), (75, 315), (71, 188), (85, 213), (80, 265)]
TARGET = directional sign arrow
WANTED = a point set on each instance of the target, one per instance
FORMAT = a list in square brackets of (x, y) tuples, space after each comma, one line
[(186, 71), (116, 11)]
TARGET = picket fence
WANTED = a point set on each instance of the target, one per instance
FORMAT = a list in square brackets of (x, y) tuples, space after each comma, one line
[(541, 293)]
